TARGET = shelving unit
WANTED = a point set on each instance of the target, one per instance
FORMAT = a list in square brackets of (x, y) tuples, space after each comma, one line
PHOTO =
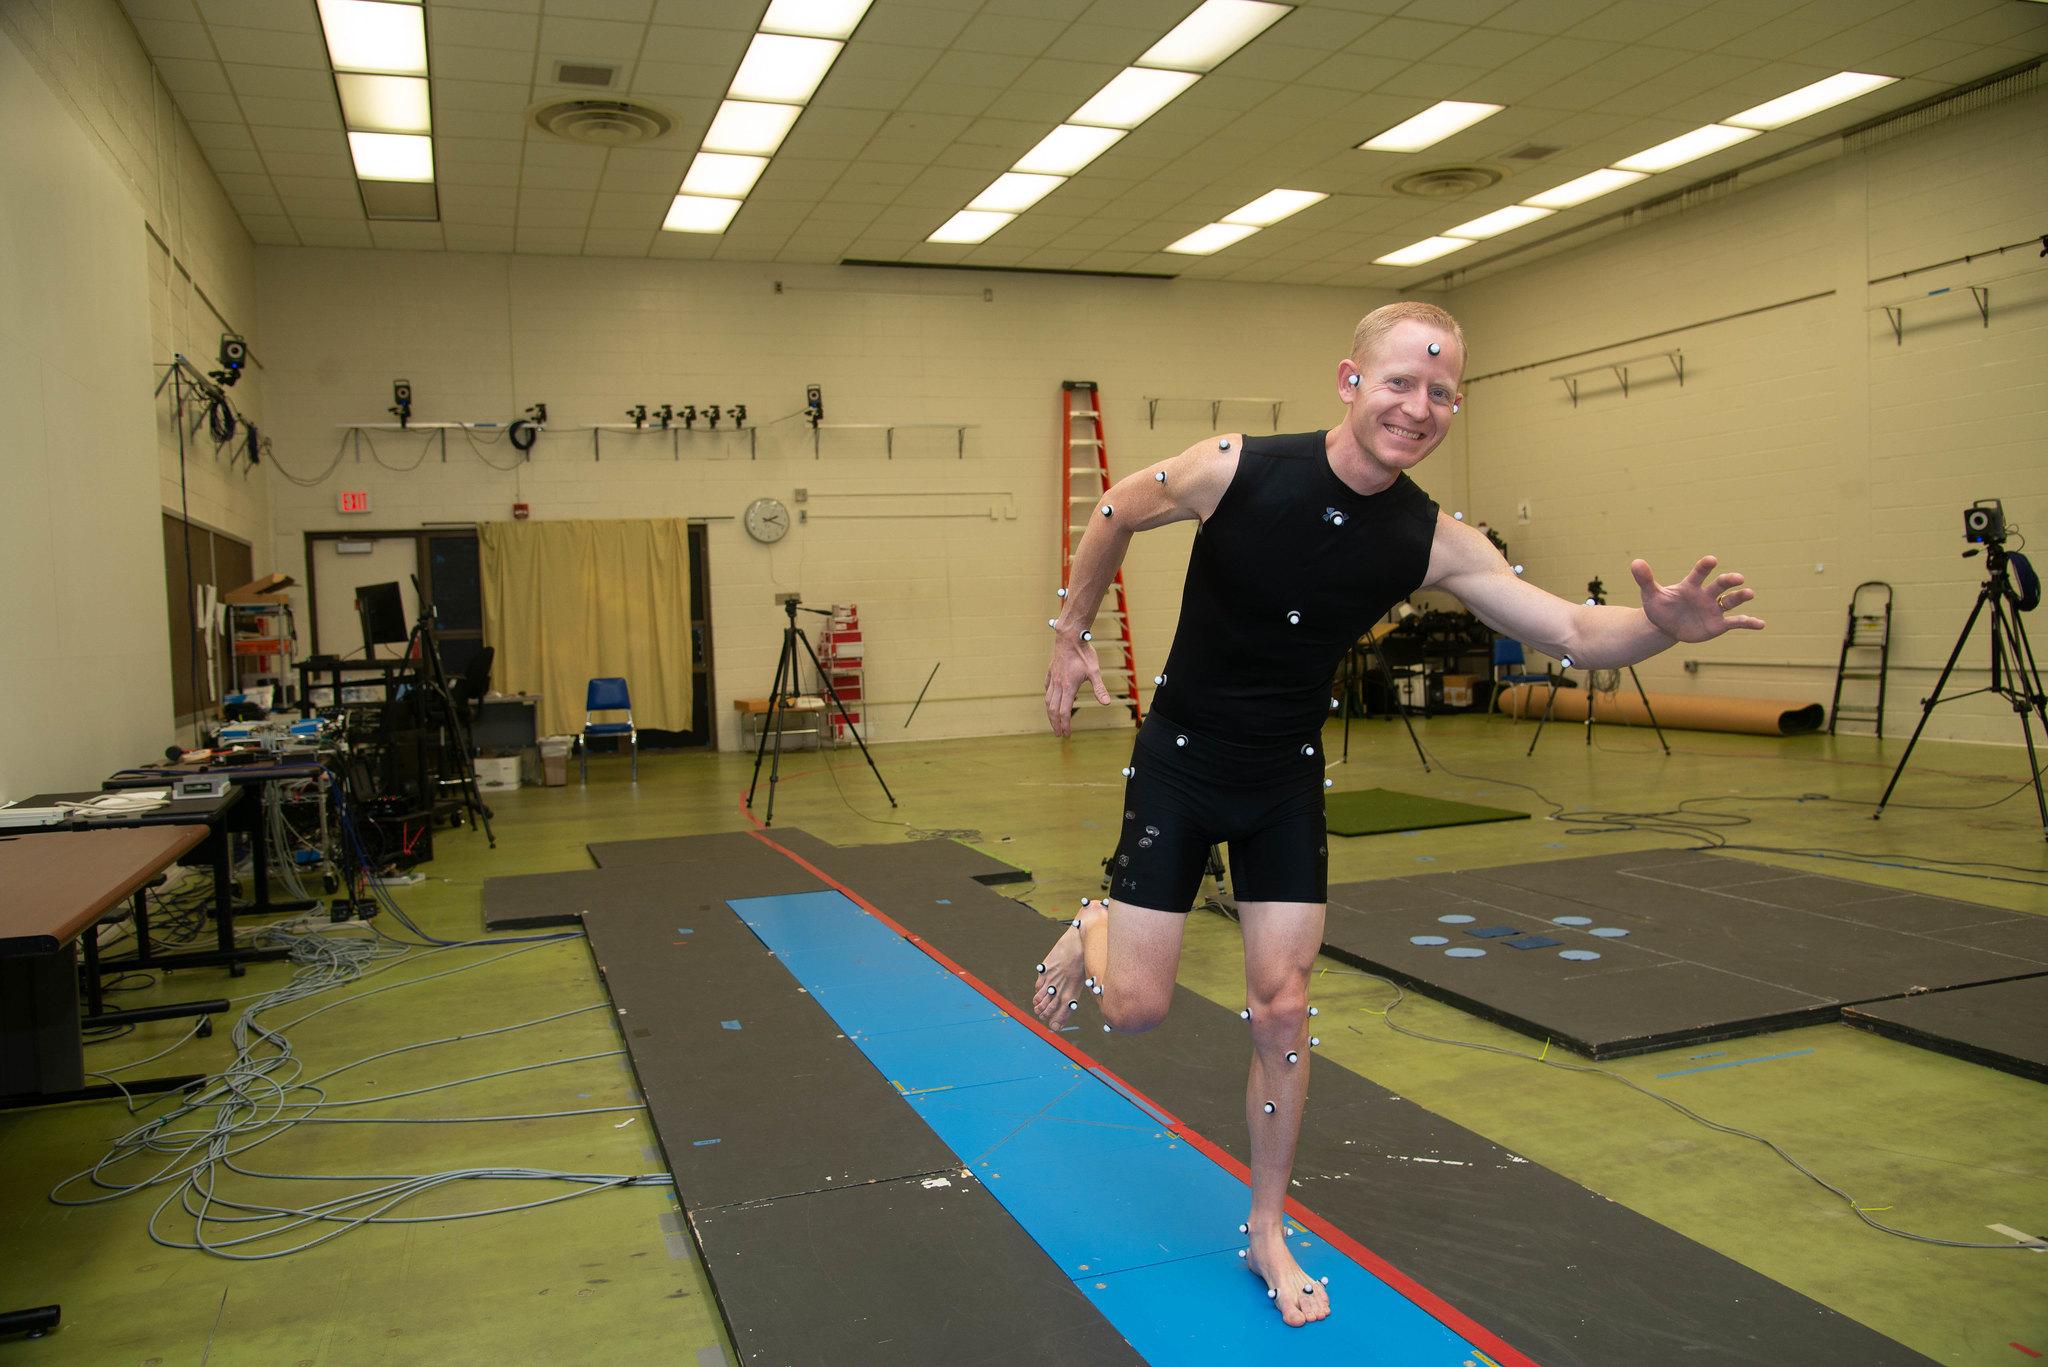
[(843, 657), (264, 643)]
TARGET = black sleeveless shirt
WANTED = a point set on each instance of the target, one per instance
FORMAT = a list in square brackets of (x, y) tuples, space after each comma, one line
[(1292, 567)]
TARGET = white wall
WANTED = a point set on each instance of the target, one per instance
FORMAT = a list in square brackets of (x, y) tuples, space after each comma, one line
[(1807, 448), (85, 675), (86, 106), (911, 539)]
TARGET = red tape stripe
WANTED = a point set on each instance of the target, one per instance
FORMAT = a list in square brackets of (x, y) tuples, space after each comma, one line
[(1428, 1301)]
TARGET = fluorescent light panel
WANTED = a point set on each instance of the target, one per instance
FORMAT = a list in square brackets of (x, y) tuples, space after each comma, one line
[(1273, 206), (1212, 238), (392, 156), (1685, 147), (384, 104), (1415, 253), (375, 36), (1810, 99), (1132, 96), (699, 214), (1589, 186), (723, 175), (1498, 222), (1205, 38), (814, 18), (969, 226), (1431, 126), (750, 127), (783, 69), (1067, 149), (1014, 192)]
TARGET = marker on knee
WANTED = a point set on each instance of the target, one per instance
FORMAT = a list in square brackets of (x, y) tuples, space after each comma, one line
[(1269, 1108), (1293, 1057)]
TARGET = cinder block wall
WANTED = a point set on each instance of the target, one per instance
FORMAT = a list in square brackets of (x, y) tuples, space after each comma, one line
[(1808, 446)]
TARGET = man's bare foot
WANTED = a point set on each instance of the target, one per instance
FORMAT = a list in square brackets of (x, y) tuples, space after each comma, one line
[(1063, 977), (1298, 1297)]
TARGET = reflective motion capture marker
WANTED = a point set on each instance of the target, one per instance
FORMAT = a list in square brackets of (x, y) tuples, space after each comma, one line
[(1087, 635), (1073, 1006), (1158, 679), (1436, 348), (1336, 519), (1329, 783), (1129, 770), (1315, 1041), (1293, 1057), (1160, 476), (1308, 749), (1223, 443), (1181, 741), (1063, 593), (1315, 1010), (1245, 1014), (1244, 1252), (1293, 618), (1105, 510), (1334, 704), (1565, 660), (1244, 1229), (1041, 968), (1269, 1108)]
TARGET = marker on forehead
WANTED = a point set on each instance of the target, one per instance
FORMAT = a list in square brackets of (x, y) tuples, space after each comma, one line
[(1436, 348)]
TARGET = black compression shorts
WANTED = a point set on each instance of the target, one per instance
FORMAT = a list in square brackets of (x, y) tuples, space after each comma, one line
[(1189, 792)]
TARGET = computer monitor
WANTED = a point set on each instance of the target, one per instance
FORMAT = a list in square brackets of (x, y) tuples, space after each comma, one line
[(383, 612)]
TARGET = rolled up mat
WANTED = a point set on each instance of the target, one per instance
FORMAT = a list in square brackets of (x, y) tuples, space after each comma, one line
[(1679, 711)]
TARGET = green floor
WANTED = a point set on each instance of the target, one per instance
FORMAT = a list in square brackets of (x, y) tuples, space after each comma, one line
[(1933, 1145)]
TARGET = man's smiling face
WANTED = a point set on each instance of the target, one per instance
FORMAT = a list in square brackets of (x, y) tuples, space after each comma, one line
[(1402, 404)]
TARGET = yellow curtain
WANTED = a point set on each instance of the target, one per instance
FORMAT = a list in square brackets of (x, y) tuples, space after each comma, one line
[(566, 602)]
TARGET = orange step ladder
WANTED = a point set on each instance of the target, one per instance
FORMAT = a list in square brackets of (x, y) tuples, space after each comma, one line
[(1084, 459)]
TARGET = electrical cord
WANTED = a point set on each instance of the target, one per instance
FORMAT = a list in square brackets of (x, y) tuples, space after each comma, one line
[(307, 483), (510, 434)]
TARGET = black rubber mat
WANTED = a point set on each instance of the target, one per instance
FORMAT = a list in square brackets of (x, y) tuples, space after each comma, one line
[(1564, 1274), (802, 1171), (945, 858), (2001, 1025), (1710, 947)]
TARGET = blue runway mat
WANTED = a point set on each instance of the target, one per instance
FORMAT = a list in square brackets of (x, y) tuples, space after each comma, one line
[(1144, 1225)]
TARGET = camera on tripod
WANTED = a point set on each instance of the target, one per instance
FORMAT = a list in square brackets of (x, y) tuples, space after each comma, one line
[(1984, 522)]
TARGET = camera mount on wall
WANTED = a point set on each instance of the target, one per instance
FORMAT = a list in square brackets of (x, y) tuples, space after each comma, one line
[(638, 413), (234, 354), (401, 402)]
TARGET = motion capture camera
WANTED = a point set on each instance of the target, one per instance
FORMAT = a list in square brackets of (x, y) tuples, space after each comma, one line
[(688, 413), (739, 415), (667, 414), (638, 413), (1984, 522), (814, 405), (713, 412), (234, 354), (401, 401), (1596, 593)]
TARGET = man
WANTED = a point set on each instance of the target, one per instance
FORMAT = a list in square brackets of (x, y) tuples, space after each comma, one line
[(1305, 541)]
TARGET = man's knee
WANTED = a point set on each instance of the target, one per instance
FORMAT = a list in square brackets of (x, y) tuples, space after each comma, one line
[(1133, 1013), (1278, 1016)]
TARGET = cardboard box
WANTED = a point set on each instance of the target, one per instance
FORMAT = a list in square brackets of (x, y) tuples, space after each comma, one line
[(1459, 689), (497, 773), (268, 589)]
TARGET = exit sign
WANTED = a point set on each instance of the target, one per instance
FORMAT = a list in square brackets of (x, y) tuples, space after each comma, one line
[(355, 500)]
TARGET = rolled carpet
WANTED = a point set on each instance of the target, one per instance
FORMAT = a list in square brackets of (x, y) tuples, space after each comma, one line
[(1679, 711)]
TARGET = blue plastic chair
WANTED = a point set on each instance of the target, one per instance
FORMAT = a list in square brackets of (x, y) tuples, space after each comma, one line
[(609, 695), (1507, 654)]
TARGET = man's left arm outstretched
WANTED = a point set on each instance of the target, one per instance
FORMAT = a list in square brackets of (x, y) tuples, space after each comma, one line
[(1699, 607)]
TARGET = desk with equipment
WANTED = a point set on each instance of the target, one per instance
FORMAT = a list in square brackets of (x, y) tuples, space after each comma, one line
[(260, 772), (122, 810)]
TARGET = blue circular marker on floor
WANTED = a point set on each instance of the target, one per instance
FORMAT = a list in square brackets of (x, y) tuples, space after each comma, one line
[(1571, 920), (1454, 919), (1466, 952), (1608, 932), (1579, 955), (1427, 940)]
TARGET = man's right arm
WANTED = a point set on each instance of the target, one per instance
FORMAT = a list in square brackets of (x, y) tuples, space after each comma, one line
[(1189, 485)]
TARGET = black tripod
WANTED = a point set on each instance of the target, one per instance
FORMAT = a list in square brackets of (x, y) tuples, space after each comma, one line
[(1351, 682), (455, 737), (1596, 596), (787, 686), (2014, 675)]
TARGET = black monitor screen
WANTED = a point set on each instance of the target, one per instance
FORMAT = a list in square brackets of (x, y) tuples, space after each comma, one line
[(383, 612)]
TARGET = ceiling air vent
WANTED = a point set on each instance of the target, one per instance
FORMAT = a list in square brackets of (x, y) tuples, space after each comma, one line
[(585, 73), (604, 123), (1444, 182), (1534, 151)]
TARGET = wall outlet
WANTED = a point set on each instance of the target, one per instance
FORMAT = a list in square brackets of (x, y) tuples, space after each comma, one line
[(1522, 511), (803, 496)]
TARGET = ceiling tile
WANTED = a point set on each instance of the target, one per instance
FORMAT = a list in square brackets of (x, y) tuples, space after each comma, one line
[(495, 97), (696, 46), (268, 47), (453, 61), (625, 11), (180, 75), (207, 108), (177, 11), (464, 27), (266, 14), (407, 236), (230, 161), (464, 238), (1546, 16), (332, 232), (335, 164), (599, 38), (281, 82), (225, 136), (316, 114), (619, 241)]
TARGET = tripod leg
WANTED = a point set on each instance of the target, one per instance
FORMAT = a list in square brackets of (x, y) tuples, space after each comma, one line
[(761, 744), (2017, 669), (1413, 739), (851, 729), (1651, 712), (1928, 703), (1549, 705)]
